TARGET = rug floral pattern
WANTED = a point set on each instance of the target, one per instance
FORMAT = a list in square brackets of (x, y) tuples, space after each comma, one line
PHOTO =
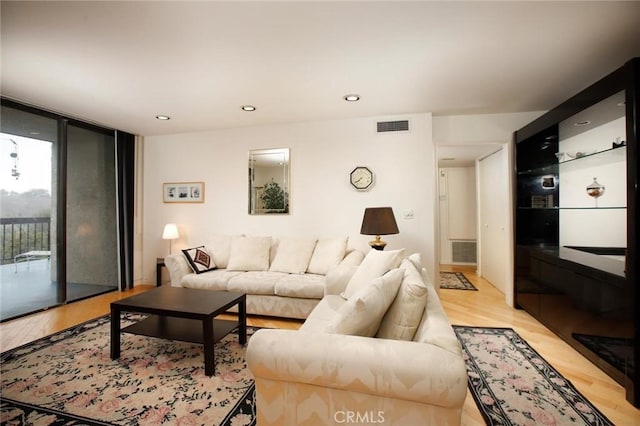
[(69, 377), (513, 385)]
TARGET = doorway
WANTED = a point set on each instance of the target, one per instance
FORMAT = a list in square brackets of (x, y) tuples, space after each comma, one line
[(485, 167)]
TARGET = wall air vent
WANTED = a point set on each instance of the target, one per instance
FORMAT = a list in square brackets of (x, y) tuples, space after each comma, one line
[(393, 126), (463, 251)]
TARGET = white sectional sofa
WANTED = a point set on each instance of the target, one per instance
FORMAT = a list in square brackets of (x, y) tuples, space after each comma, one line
[(378, 349), (284, 277)]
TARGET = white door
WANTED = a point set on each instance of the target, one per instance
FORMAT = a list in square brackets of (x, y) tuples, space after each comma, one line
[(493, 196)]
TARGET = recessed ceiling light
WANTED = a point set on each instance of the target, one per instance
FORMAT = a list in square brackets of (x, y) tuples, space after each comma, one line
[(351, 98), (248, 108), (621, 104), (582, 123), (163, 117)]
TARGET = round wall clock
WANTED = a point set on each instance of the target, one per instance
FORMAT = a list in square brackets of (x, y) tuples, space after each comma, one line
[(361, 178)]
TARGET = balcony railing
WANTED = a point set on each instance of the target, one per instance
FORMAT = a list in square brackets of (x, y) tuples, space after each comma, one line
[(23, 234)]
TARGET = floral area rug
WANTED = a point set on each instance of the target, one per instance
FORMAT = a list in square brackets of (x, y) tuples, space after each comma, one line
[(69, 379), (513, 385), (456, 281)]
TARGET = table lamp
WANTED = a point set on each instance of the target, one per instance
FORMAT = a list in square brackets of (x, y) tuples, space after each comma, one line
[(378, 221)]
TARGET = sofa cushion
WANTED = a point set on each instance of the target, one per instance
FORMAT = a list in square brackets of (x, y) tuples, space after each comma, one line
[(328, 253), (249, 254), (255, 282), (375, 264), (323, 313), (362, 313), (199, 259), (212, 280), (293, 255), (306, 286), (275, 242), (403, 317), (220, 248), (337, 279), (352, 258), (435, 328)]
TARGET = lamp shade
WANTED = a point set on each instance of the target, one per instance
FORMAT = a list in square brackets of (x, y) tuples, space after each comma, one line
[(379, 221), (170, 232)]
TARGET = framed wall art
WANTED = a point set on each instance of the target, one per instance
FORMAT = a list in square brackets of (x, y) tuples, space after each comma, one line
[(183, 192)]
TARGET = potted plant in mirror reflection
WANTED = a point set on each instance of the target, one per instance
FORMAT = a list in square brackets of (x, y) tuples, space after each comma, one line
[(274, 198), (595, 190)]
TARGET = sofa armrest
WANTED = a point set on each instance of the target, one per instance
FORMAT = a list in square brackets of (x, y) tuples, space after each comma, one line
[(337, 279), (398, 369), (178, 267)]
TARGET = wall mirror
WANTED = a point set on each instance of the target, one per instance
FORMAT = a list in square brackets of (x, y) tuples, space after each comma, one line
[(269, 184)]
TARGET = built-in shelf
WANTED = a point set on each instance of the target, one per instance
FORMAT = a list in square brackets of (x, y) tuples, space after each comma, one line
[(575, 266), (605, 155), (588, 160), (574, 208), (594, 208), (550, 169)]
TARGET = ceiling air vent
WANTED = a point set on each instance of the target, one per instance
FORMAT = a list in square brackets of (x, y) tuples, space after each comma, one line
[(393, 126)]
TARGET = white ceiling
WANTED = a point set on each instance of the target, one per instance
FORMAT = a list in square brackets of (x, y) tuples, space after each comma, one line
[(122, 63)]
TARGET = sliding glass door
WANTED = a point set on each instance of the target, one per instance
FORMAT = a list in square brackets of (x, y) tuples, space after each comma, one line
[(91, 212), (66, 210), (27, 209)]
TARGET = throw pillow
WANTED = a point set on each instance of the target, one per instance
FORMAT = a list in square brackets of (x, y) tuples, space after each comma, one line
[(199, 259), (328, 253), (405, 313), (220, 248), (293, 255), (374, 265), (362, 313), (353, 257), (249, 254)]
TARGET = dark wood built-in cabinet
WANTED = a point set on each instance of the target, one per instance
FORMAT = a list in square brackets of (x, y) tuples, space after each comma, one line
[(576, 255)]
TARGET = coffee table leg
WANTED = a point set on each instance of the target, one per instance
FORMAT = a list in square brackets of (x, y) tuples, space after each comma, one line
[(115, 333), (209, 361), (242, 320)]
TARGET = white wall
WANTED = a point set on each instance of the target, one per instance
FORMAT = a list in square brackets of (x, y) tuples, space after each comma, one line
[(323, 203), (457, 198), (607, 225), (461, 194)]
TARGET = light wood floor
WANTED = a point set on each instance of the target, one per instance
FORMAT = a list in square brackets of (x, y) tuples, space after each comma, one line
[(485, 307)]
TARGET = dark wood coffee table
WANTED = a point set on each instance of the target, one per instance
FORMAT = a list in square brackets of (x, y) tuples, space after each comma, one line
[(182, 314)]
